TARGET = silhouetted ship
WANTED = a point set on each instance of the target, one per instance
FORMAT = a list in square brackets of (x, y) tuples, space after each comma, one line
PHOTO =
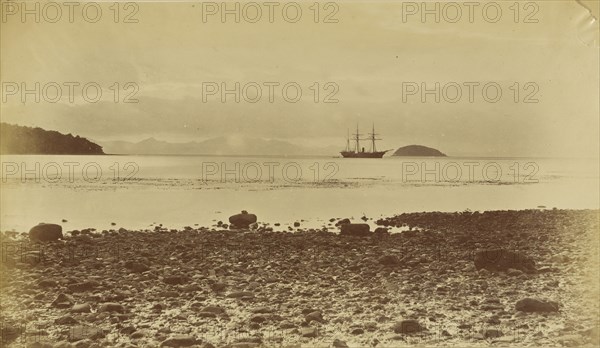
[(359, 152)]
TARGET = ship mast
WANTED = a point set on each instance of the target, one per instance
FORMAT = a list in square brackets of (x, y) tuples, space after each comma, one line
[(348, 141), (373, 138), (357, 139)]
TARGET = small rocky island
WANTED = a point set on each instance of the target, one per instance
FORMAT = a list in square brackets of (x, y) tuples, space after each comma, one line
[(23, 140), (418, 151)]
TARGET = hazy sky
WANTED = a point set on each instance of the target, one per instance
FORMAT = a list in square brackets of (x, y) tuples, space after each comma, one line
[(372, 51)]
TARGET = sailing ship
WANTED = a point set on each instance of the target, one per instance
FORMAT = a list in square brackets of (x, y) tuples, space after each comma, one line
[(359, 152)]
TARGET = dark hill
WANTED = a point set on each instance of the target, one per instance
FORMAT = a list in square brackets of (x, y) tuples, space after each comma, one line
[(418, 150), (27, 140)]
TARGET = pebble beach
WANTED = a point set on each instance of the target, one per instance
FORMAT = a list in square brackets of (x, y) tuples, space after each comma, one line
[(261, 287)]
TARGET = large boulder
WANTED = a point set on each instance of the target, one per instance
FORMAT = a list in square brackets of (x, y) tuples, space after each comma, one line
[(45, 232), (358, 230), (533, 305), (243, 220), (503, 260)]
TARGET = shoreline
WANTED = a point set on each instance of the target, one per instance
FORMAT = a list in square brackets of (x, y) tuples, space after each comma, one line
[(205, 286), (472, 157)]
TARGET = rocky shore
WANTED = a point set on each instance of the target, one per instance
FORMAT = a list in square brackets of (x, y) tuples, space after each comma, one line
[(505, 278)]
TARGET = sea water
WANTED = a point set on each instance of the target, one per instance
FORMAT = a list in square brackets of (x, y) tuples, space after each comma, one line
[(140, 192)]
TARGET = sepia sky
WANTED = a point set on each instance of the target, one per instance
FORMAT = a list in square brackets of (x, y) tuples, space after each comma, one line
[(369, 54)]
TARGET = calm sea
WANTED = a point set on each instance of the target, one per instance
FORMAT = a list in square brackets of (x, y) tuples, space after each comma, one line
[(139, 192)]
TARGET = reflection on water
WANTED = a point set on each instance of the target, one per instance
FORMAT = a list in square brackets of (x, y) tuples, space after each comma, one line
[(137, 191)]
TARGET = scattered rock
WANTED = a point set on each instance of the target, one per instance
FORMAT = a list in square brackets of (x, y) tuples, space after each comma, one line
[(261, 310), (491, 333), (138, 334), (43, 344), (213, 309), (314, 316), (176, 280), (111, 307), (494, 320), (127, 330), (258, 318), (342, 222), (570, 340), (514, 272), (534, 305), (381, 231), (389, 260), (81, 308), (63, 301), (357, 331), (502, 260), (82, 332), (242, 220), (410, 233), (206, 315), (136, 267), (179, 341), (218, 286), (240, 294), (286, 325), (357, 230), (407, 326), (66, 320), (309, 332), (47, 283), (339, 344), (83, 286), (306, 311), (244, 345), (560, 258), (281, 274)]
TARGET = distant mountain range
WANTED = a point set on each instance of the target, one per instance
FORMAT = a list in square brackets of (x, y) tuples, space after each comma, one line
[(27, 140), (230, 145), (16, 139)]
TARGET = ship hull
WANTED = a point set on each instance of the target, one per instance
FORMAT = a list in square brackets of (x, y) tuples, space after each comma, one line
[(351, 154)]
